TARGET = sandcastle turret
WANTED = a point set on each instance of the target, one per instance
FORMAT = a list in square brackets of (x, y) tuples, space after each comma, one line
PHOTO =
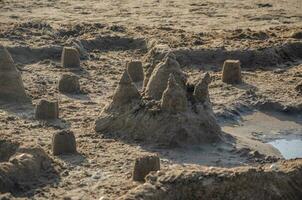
[(144, 165), (125, 92), (231, 72), (174, 98), (11, 84), (201, 90), (160, 75), (69, 83), (135, 71), (47, 110), (70, 58), (64, 142)]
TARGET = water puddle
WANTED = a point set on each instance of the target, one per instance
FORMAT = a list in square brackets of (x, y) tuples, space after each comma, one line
[(289, 149), (266, 125), (282, 131)]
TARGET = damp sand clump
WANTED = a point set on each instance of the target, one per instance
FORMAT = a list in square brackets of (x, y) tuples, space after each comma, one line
[(23, 167), (69, 83), (162, 113), (70, 58), (11, 84), (136, 71), (231, 72), (144, 165), (64, 142), (47, 110)]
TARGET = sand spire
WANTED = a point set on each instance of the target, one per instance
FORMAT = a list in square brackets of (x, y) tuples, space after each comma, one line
[(174, 98), (159, 77), (11, 84)]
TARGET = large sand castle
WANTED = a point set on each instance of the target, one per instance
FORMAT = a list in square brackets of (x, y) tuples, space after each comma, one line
[(165, 113)]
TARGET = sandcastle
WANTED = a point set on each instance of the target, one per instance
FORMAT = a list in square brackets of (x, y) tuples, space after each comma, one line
[(162, 113), (69, 83), (231, 72), (63, 142), (70, 58), (46, 110), (11, 84), (144, 165)]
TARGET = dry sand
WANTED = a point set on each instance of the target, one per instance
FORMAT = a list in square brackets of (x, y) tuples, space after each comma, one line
[(202, 35)]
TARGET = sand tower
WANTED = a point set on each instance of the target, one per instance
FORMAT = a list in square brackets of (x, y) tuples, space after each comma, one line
[(174, 97), (231, 72), (69, 83), (70, 58), (144, 165), (125, 93), (47, 110), (64, 142), (11, 84), (160, 75), (163, 114), (135, 71)]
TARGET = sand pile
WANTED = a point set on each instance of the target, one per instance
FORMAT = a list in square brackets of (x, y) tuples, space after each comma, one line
[(125, 93), (163, 113), (7, 149), (231, 72), (153, 57), (144, 165), (22, 168), (64, 142), (70, 58), (159, 78), (47, 110), (11, 84), (69, 83), (280, 180)]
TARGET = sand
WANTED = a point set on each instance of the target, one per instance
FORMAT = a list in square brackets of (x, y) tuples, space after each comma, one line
[(108, 34)]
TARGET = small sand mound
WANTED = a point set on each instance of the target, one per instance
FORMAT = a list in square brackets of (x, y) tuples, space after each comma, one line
[(231, 72), (47, 110), (64, 142), (125, 93), (7, 149), (144, 165), (25, 166), (69, 83), (70, 57), (163, 114), (174, 97), (11, 84)]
